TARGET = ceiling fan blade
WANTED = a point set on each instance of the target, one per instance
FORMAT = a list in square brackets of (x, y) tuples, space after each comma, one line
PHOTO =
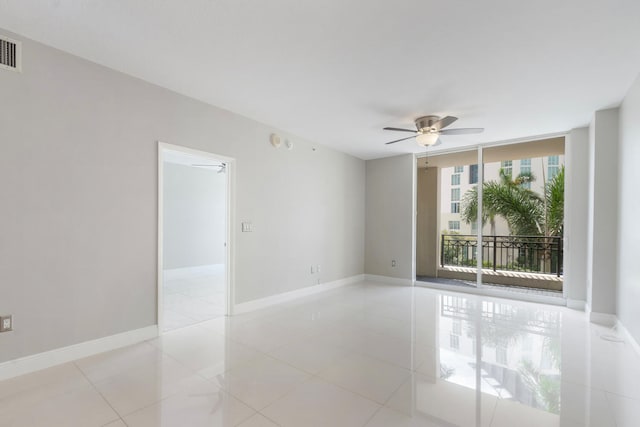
[(398, 140), (401, 130), (444, 122), (461, 131)]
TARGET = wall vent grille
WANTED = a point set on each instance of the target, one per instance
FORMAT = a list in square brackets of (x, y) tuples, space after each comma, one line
[(10, 54)]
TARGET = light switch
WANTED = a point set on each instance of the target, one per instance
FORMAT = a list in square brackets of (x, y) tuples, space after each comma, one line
[(247, 227)]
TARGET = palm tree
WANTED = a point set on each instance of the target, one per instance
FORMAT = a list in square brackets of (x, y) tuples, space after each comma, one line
[(554, 197), (510, 199), (527, 213)]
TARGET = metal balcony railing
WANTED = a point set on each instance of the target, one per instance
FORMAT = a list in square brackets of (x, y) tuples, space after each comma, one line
[(534, 254)]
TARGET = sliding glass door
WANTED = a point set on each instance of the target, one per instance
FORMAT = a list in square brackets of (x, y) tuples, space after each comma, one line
[(492, 217)]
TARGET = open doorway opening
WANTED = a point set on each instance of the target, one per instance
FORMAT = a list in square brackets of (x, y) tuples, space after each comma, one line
[(519, 246), (194, 234)]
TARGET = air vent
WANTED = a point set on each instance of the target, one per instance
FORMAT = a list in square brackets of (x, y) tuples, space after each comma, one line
[(9, 54)]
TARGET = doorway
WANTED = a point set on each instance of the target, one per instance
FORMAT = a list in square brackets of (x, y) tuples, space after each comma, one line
[(194, 238)]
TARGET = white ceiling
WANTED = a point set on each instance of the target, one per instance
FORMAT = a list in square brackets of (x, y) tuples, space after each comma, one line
[(338, 71)]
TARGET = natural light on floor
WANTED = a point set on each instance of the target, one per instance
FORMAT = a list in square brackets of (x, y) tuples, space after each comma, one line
[(367, 354)]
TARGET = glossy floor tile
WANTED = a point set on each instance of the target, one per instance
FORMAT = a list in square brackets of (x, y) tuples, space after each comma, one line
[(363, 355), (193, 295), (320, 403)]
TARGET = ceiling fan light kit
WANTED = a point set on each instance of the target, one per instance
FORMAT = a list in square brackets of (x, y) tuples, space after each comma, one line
[(426, 139), (429, 128)]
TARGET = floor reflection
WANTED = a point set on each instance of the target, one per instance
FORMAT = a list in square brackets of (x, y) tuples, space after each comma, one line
[(368, 355), (517, 349), (489, 350)]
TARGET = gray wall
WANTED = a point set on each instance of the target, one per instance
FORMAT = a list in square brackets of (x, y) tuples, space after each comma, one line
[(78, 185), (629, 208), (389, 229), (575, 212), (195, 209), (602, 212)]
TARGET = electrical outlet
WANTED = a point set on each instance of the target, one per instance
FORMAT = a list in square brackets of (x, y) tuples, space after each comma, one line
[(393, 263), (6, 323)]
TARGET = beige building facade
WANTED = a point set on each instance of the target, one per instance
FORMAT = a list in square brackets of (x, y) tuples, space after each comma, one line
[(456, 181)]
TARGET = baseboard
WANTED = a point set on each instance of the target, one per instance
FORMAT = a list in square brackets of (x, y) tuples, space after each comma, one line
[(36, 362), (261, 303), (388, 280), (189, 272), (576, 304), (628, 337), (604, 319)]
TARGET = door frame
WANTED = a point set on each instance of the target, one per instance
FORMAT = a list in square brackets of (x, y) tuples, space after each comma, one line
[(479, 289), (230, 235)]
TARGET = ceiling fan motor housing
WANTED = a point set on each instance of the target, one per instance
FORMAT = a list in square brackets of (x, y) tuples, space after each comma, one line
[(425, 123)]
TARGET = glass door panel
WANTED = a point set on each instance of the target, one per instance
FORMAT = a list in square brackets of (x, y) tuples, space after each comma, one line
[(446, 240), (522, 233)]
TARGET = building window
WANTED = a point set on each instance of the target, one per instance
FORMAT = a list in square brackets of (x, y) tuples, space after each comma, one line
[(455, 200), (474, 227), (553, 163), (473, 174), (454, 225), (454, 341), (507, 167), (456, 327), (525, 168), (458, 169), (455, 179)]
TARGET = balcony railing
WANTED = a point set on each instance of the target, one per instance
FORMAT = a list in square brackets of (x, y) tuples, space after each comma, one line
[(535, 254)]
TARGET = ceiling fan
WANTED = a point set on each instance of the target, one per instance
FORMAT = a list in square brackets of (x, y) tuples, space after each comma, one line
[(222, 167), (429, 128)]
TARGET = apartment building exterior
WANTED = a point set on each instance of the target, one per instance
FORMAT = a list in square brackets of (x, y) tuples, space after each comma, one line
[(458, 180)]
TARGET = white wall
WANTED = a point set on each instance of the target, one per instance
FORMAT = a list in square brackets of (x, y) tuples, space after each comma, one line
[(576, 207), (602, 212), (195, 210), (629, 209), (389, 216), (78, 185)]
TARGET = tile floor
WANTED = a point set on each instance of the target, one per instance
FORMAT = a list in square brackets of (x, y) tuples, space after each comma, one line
[(363, 355), (193, 295)]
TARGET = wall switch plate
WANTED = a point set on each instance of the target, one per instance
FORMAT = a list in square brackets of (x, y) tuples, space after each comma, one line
[(6, 323), (393, 263), (247, 227)]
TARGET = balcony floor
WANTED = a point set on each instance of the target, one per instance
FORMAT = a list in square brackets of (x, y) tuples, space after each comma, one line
[(504, 279), (467, 279)]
